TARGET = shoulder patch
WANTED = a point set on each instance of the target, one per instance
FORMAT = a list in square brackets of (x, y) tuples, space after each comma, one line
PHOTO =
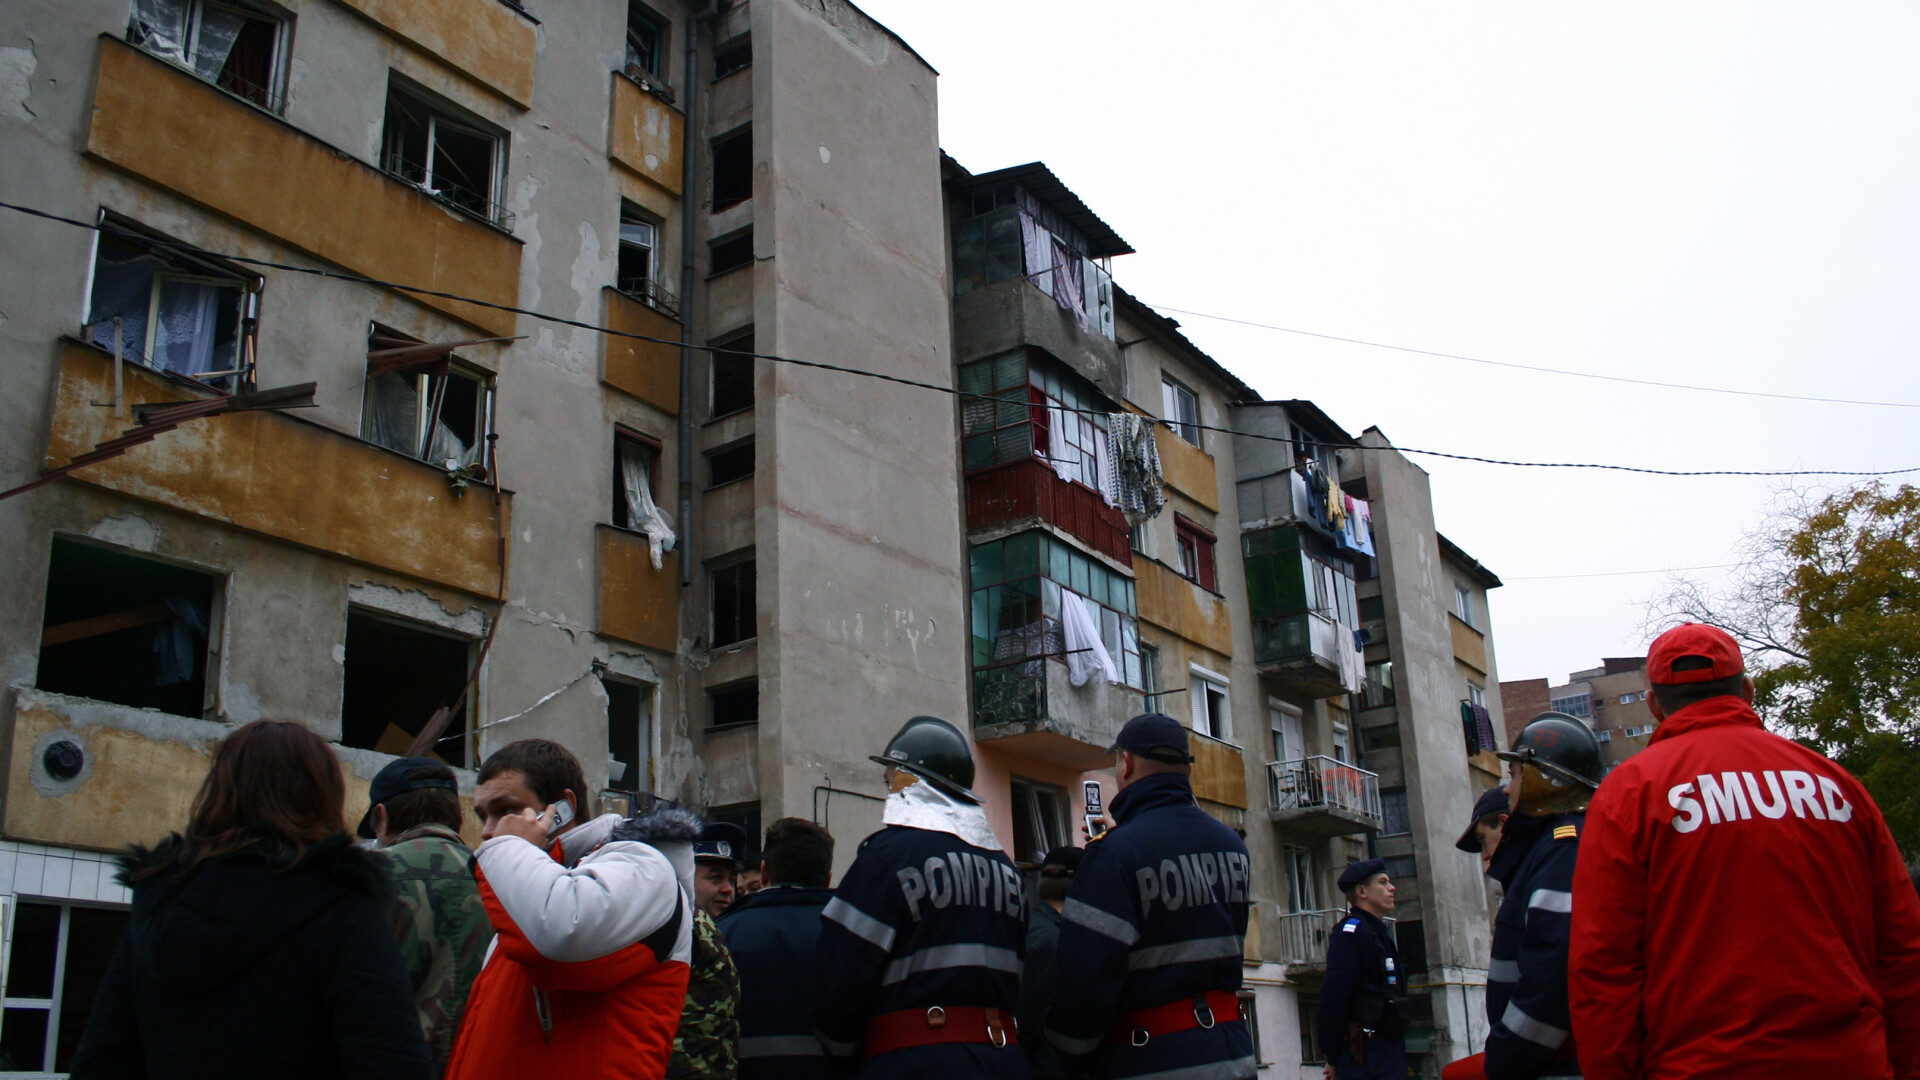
[(1350, 926), (1566, 832)]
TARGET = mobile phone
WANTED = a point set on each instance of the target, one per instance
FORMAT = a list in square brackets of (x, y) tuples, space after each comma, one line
[(1090, 790), (562, 816)]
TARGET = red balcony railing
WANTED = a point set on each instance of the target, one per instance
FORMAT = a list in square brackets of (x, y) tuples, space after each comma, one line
[(1030, 488)]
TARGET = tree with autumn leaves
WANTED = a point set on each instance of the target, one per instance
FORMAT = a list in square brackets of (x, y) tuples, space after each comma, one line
[(1826, 604)]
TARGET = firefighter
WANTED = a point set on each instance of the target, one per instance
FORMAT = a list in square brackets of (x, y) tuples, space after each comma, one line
[(1362, 1024), (1482, 837), (1554, 769), (917, 969), (1153, 930)]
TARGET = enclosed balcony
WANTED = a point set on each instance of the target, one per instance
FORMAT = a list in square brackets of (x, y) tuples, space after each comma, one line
[(1325, 796), (1304, 936), (1300, 596)]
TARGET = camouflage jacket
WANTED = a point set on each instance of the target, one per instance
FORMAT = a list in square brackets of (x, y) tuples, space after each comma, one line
[(441, 926), (707, 1046)]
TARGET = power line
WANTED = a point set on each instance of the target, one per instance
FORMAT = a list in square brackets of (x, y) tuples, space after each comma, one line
[(361, 279), (1544, 370), (1623, 573)]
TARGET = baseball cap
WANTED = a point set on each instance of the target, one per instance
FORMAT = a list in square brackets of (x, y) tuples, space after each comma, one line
[(392, 782), (1064, 857), (1693, 639), (1492, 801), (1155, 736)]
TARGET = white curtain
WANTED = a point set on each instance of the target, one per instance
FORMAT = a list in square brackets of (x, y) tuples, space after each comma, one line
[(1086, 653), (161, 26), (642, 514), (183, 342), (218, 31), (392, 416)]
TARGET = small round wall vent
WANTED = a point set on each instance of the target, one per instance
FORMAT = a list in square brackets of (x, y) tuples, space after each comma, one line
[(63, 760)]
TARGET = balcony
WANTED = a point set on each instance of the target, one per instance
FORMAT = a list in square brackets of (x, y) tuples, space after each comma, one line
[(1324, 796), (637, 602), (648, 370), (1219, 771), (1300, 594), (1030, 708), (1029, 489), (1302, 654), (1304, 936), (644, 135)]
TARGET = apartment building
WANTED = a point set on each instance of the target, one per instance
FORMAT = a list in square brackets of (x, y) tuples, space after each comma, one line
[(1611, 698)]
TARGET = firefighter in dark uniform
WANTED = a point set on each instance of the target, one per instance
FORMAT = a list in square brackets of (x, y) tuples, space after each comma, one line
[(1555, 768), (1362, 1024), (917, 970), (1154, 928)]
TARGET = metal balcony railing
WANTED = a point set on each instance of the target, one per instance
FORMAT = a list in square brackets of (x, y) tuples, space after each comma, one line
[(1304, 935), (1322, 783), (650, 293)]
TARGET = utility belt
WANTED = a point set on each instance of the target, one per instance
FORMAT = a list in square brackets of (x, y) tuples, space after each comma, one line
[(937, 1025), (1141, 1026)]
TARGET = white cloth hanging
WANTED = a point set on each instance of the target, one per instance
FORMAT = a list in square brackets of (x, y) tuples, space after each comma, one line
[(642, 515), (1086, 653)]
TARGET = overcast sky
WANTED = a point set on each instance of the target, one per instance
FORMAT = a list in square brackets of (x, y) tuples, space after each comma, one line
[(1724, 195)]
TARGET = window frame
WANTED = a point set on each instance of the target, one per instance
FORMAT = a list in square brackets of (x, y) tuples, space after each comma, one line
[(647, 694), (734, 447), (440, 111), (1199, 541), (210, 271), (655, 449), (747, 685), (1035, 589), (1011, 414), (1173, 395), (52, 1006), (1203, 686), (728, 139), (1387, 696), (662, 29), (730, 341), (732, 563), (423, 416), (1463, 603), (193, 14), (1022, 790), (1393, 795), (728, 242)]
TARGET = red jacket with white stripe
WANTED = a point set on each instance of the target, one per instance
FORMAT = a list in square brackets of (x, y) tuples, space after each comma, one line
[(589, 972), (1743, 912)]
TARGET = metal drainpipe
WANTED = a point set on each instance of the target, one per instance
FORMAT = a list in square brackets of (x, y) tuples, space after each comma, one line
[(689, 182)]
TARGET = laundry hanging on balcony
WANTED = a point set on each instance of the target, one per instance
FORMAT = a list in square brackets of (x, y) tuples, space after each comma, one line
[(642, 515), (1133, 469), (1086, 654), (1053, 267), (1357, 533)]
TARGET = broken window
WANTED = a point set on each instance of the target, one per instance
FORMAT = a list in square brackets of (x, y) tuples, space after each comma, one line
[(646, 40), (176, 313), (733, 463), (233, 45), (59, 955), (126, 629), (629, 735), (635, 465), (732, 169), (398, 674), (730, 254), (450, 157), (430, 407), (731, 706), (735, 55), (734, 617), (1038, 824), (639, 266), (732, 375)]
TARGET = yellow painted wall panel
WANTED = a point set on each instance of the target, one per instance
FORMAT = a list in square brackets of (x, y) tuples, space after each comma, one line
[(166, 126), (482, 39), (1219, 772), (648, 370), (282, 477), (637, 602), (645, 134), (1469, 645), (1188, 469), (1172, 602)]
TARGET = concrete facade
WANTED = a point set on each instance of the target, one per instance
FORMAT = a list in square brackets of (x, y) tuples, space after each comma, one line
[(1611, 698)]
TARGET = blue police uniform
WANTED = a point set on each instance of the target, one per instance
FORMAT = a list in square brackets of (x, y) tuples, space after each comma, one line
[(1155, 924), (1528, 1019), (923, 926), (771, 935), (1364, 985)]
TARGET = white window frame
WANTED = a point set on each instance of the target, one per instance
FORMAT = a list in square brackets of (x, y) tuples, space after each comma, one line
[(51, 1006), (1053, 828), (439, 113), (1463, 603), (1288, 723), (1296, 862), (1173, 394), (1199, 681), (194, 17), (1476, 694), (1342, 744)]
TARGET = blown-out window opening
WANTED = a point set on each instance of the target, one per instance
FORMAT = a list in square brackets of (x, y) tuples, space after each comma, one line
[(432, 407), (450, 157), (176, 313), (1017, 602), (236, 46)]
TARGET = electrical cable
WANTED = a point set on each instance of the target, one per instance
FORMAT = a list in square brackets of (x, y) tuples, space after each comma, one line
[(1544, 370), (361, 279)]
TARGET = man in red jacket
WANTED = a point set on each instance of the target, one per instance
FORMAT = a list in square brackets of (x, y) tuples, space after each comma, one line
[(1743, 910)]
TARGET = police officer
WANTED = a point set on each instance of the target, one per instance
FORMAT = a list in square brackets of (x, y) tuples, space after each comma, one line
[(1554, 768), (1154, 927), (1362, 1024), (917, 969)]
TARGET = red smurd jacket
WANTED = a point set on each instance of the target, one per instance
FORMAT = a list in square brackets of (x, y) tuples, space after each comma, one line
[(1742, 912), (588, 975)]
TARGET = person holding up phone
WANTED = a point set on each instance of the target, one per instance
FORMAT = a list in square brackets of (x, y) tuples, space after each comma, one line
[(595, 920)]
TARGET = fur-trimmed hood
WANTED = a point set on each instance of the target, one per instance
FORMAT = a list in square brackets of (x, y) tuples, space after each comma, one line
[(198, 932)]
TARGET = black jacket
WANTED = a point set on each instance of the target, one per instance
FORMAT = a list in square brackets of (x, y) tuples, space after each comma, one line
[(251, 968), (771, 935), (1528, 1016), (1036, 990)]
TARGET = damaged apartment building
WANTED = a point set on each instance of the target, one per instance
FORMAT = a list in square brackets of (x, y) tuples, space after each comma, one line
[(303, 451)]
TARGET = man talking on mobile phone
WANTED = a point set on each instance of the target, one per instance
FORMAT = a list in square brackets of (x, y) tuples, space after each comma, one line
[(594, 920)]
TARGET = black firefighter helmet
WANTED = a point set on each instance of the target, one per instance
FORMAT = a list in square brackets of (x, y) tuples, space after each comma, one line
[(1559, 754), (936, 752)]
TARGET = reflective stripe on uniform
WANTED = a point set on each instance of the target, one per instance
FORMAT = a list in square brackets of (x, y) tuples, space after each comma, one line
[(1503, 971), (1072, 1046), (1551, 900), (951, 956), (1081, 913), (838, 1049), (859, 923), (1237, 1069), (759, 1046), (1517, 1021), (1181, 952)]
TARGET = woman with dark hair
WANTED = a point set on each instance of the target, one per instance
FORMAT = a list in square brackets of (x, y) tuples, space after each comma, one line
[(259, 944)]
